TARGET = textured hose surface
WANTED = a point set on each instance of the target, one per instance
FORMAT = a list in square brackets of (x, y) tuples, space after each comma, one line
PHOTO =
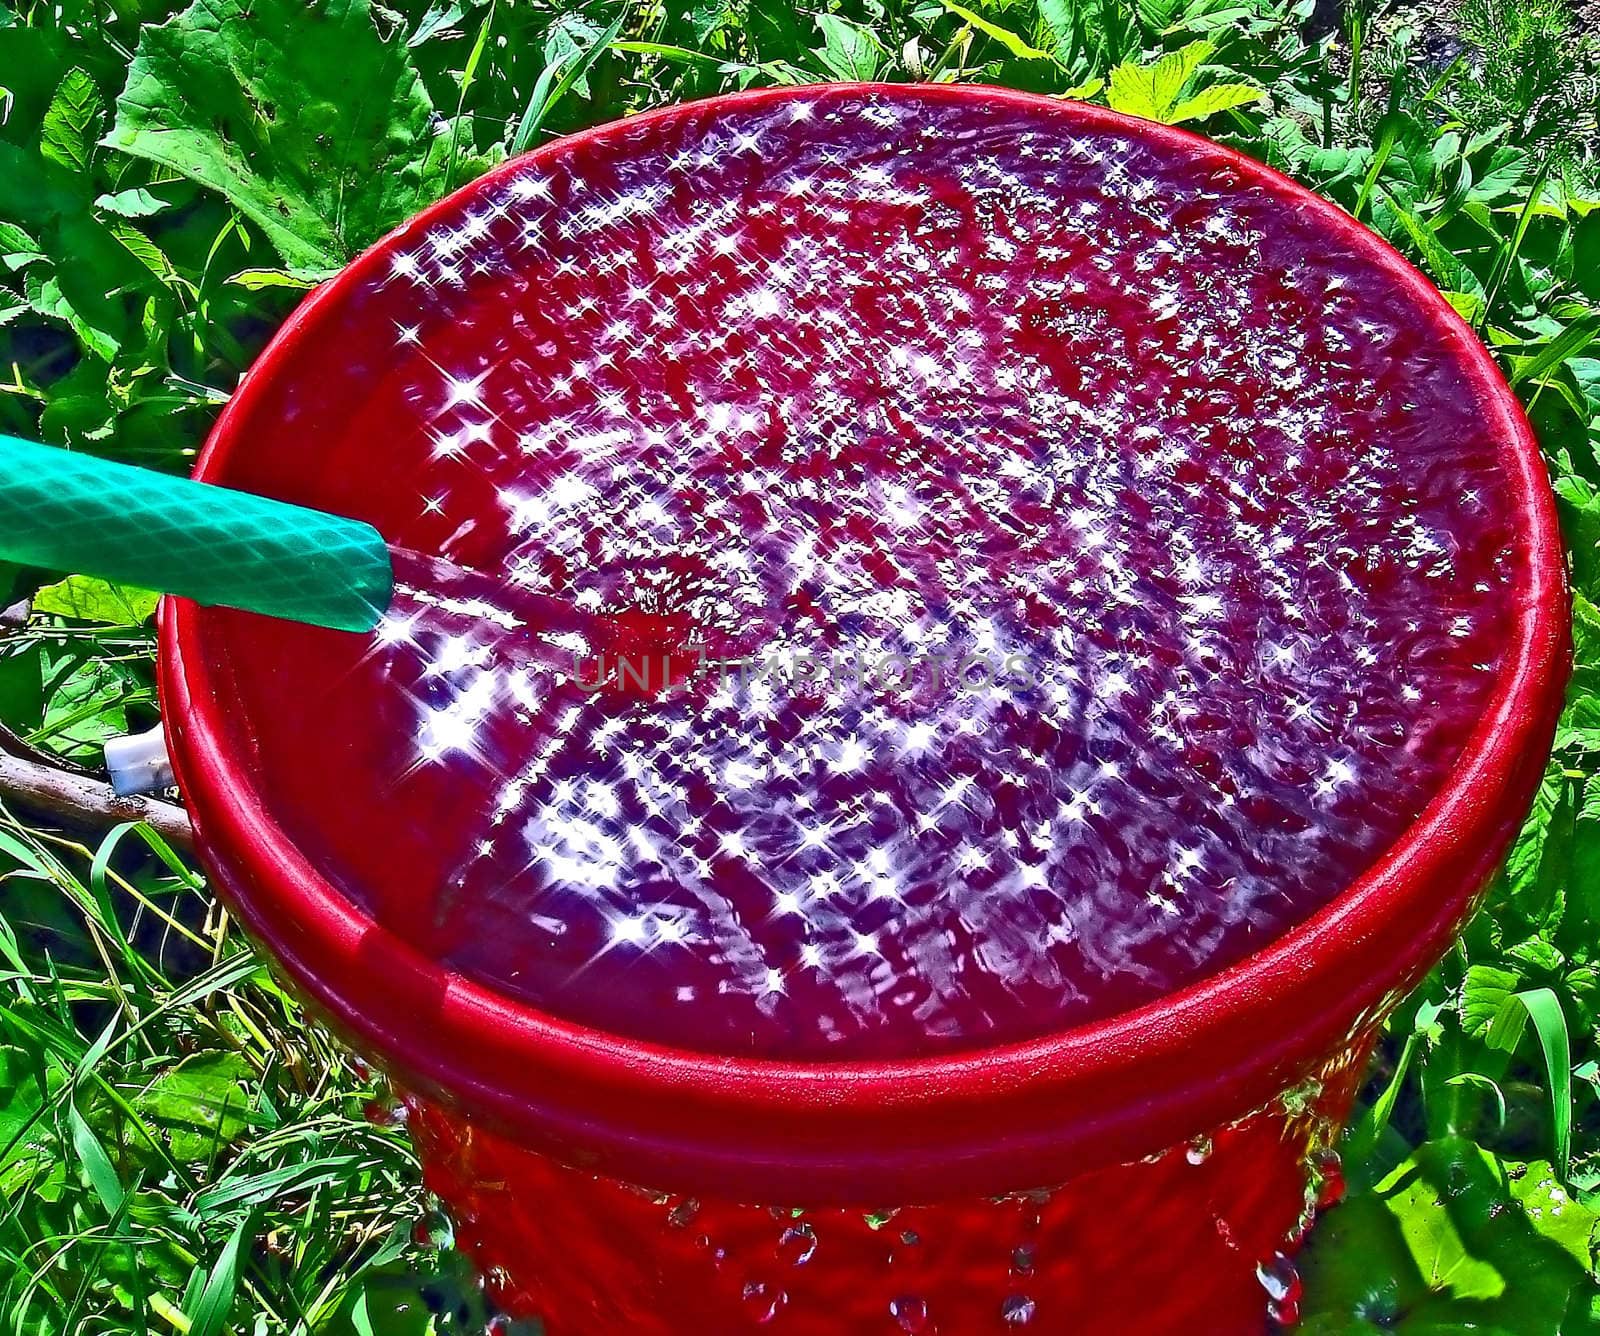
[(73, 512)]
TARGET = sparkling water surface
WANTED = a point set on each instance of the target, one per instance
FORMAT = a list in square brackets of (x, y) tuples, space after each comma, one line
[(855, 390)]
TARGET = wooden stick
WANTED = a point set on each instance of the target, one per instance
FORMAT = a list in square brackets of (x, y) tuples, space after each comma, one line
[(85, 803)]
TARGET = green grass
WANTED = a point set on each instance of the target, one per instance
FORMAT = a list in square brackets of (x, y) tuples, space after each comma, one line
[(179, 1150)]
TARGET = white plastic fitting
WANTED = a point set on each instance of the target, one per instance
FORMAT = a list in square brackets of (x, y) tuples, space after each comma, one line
[(139, 763)]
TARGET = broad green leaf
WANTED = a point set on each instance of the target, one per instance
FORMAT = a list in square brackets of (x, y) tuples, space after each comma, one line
[(135, 203), (1159, 15), (849, 51), (1467, 305), (72, 122), (27, 1154), (1434, 1236), (90, 706), (202, 1103), (1452, 1241), (94, 600), (1484, 993), (43, 287), (1507, 168), (144, 250), (389, 1310), (80, 407), (1058, 22), (312, 125), (1153, 91), (1218, 97), (1586, 254), (1537, 857), (1553, 1211), (441, 17), (574, 42), (17, 248)]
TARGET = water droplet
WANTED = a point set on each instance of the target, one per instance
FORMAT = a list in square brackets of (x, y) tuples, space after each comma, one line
[(911, 1312), (385, 1113), (796, 1245), (1329, 1171), (1198, 1150), (1279, 1279), (762, 1301), (1018, 1310)]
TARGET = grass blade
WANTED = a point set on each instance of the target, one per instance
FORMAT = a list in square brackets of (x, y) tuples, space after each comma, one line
[(209, 1316)]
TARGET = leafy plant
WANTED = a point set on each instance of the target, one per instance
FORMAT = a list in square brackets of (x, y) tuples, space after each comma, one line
[(179, 1149), (1526, 68)]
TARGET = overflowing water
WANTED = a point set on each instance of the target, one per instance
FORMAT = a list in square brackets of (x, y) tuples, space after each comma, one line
[(1071, 567)]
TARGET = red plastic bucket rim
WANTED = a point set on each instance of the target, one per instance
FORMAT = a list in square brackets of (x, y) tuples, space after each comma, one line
[(996, 1117)]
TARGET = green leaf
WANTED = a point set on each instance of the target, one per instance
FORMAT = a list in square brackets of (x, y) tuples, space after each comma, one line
[(1454, 1240), (46, 294), (17, 248), (90, 706), (145, 251), (1553, 1212), (209, 1315), (1507, 168), (1153, 91), (1441, 262), (1082, 92), (1008, 39), (27, 1155), (96, 1163), (1434, 1235), (1159, 15), (311, 124), (1218, 97), (90, 599), (1478, 1081), (257, 280), (1543, 1007), (1484, 994), (1568, 344), (202, 1103), (72, 122), (849, 51), (549, 89), (135, 203)]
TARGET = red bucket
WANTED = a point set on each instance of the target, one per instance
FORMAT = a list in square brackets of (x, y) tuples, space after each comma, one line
[(1141, 1152)]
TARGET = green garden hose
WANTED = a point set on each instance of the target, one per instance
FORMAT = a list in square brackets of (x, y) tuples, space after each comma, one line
[(68, 511)]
